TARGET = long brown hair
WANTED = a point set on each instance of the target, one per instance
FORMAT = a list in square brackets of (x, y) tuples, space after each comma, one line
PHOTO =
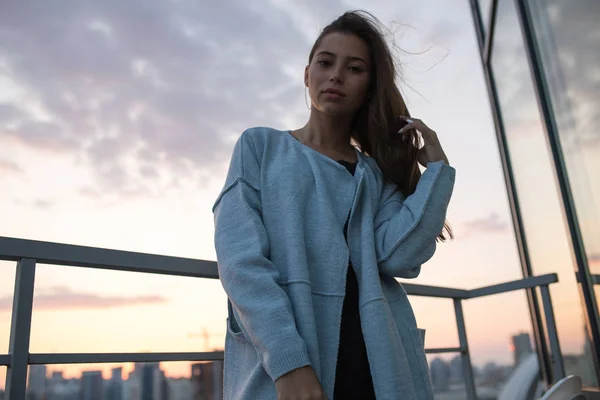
[(376, 124)]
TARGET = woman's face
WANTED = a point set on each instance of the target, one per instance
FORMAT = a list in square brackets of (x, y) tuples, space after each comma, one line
[(338, 75)]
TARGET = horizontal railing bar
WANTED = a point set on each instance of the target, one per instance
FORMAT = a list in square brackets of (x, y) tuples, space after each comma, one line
[(13, 249), (525, 283), (434, 291), (451, 293), (596, 279), (446, 350), (5, 359), (94, 358)]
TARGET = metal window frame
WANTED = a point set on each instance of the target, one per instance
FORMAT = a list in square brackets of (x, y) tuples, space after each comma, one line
[(485, 49), (488, 39)]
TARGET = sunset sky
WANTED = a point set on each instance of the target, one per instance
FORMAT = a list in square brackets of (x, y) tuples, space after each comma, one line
[(117, 121)]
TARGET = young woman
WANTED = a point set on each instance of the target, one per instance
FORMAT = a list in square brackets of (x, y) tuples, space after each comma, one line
[(314, 224)]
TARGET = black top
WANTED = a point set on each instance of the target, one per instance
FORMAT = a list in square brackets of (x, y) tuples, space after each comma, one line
[(353, 376)]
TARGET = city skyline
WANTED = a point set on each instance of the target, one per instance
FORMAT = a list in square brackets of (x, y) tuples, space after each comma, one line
[(110, 145), (144, 381), (204, 378)]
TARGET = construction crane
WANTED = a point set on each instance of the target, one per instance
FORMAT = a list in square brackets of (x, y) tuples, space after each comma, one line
[(206, 335)]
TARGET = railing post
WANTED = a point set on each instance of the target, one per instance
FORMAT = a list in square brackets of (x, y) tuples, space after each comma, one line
[(558, 367), (20, 329), (467, 368)]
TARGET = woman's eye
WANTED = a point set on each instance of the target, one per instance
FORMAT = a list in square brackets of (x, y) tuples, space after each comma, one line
[(325, 63), (356, 69)]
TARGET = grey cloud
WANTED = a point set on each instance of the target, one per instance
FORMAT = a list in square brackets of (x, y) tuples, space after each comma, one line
[(148, 171), (44, 204), (576, 83), (9, 167), (174, 78), (40, 134), (63, 298), (37, 203), (9, 113), (20, 125), (165, 84), (571, 58)]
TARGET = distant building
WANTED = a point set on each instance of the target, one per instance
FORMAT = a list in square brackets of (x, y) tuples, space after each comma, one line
[(521, 346), (494, 375), (179, 389), (132, 389), (66, 389), (456, 374), (207, 381), (36, 386), (440, 375), (54, 386), (115, 386), (55, 379), (152, 382), (164, 386), (92, 385)]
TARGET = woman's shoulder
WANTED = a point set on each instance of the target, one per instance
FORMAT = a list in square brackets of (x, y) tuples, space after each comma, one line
[(261, 134), (262, 140)]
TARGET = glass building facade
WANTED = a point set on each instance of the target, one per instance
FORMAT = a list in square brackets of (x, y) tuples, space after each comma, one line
[(542, 64)]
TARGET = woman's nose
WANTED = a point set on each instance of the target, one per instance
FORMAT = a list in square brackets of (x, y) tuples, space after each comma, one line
[(336, 76)]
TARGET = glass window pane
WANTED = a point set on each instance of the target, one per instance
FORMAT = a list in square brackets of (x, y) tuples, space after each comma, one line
[(568, 36), (446, 376), (497, 347), (545, 228), (498, 359)]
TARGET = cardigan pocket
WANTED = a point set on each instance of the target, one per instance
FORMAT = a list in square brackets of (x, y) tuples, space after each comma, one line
[(233, 328), (243, 374), (423, 386)]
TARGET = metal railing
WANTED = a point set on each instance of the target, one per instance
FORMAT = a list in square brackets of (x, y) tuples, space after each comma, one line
[(458, 296), (29, 253)]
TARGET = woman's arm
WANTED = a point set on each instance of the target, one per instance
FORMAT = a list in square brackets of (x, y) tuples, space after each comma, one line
[(406, 228), (246, 273)]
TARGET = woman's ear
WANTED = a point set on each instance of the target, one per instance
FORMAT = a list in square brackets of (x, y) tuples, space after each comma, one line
[(306, 76)]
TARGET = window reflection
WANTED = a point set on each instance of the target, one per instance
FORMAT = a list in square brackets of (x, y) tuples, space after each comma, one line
[(544, 224), (568, 37)]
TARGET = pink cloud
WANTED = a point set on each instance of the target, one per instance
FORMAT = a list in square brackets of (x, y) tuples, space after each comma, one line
[(62, 298)]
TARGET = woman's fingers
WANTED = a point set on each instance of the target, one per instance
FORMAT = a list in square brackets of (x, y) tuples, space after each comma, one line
[(415, 123), (431, 149), (406, 128)]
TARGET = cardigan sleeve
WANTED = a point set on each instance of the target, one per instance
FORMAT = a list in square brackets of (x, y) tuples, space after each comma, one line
[(406, 228), (261, 307)]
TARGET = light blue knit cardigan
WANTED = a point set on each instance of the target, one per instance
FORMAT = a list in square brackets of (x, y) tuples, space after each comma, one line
[(282, 261)]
